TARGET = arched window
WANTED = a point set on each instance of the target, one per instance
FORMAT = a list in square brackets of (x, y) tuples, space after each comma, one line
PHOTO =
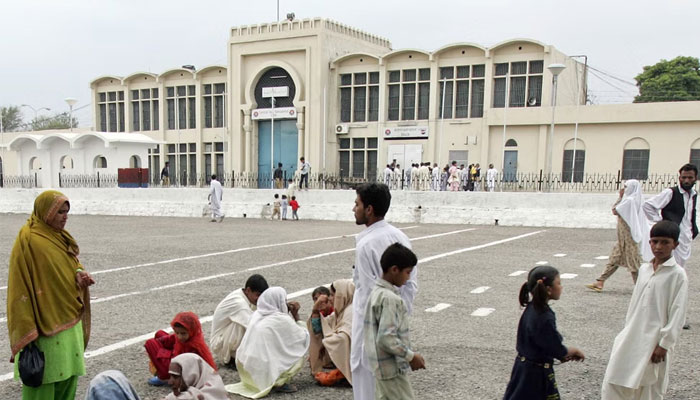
[(66, 162), (635, 159), (568, 161), (100, 162), (275, 77), (134, 162), (34, 164), (511, 143)]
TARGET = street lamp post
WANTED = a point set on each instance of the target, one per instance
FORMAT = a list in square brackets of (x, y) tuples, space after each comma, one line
[(36, 110), (71, 102), (555, 69)]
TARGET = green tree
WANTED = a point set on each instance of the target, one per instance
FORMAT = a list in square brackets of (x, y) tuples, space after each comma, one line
[(675, 80), (58, 121), (11, 118)]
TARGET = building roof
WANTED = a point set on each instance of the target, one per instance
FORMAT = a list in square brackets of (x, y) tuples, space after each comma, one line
[(74, 139)]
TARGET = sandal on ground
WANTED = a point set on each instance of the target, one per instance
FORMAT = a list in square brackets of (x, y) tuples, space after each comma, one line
[(286, 388), (594, 288)]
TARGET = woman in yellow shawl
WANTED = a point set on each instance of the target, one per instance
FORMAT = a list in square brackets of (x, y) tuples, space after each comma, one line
[(48, 298)]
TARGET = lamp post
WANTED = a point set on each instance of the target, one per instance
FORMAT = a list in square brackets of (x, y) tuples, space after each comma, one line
[(555, 69), (36, 110), (71, 102)]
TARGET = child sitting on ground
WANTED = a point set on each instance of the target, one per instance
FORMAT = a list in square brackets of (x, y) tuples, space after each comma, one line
[(285, 204), (641, 354), (276, 207), (295, 207), (539, 342), (387, 342), (323, 306), (188, 338)]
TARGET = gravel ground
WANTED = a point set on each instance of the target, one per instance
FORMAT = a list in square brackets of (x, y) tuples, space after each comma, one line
[(468, 357)]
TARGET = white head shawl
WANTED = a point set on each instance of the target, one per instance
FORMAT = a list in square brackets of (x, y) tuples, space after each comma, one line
[(273, 342), (630, 210), (203, 383)]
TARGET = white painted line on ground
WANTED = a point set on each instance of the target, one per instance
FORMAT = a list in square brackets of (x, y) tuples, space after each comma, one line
[(518, 273), (542, 263), (260, 267), (438, 307), (587, 265), (560, 255), (3, 319), (482, 312), (568, 276), (480, 289), (141, 338), (3, 287), (602, 257)]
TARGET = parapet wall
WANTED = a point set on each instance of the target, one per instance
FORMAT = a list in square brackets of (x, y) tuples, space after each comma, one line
[(569, 210)]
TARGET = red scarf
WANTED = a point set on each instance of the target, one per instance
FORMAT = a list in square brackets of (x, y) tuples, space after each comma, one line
[(195, 344)]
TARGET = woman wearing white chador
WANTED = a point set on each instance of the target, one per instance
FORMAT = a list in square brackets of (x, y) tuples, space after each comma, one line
[(273, 347)]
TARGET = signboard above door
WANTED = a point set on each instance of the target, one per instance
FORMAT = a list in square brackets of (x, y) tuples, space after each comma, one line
[(274, 113), (406, 132), (275, 91)]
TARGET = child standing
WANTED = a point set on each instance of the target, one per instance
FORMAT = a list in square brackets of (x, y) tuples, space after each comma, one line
[(640, 358), (386, 327), (285, 204), (188, 338), (295, 207), (276, 207), (539, 342)]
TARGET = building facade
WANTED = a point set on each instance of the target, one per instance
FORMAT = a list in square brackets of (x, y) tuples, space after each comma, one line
[(350, 104)]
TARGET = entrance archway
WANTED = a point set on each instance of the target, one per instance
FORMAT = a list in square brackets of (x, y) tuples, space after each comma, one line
[(282, 147)]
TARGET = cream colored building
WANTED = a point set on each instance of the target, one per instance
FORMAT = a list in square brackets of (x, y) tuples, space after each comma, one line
[(351, 104)]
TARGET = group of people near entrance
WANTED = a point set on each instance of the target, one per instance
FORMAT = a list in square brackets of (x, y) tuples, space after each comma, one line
[(357, 333), (423, 177)]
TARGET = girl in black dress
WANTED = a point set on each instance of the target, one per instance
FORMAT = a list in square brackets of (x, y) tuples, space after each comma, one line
[(539, 342)]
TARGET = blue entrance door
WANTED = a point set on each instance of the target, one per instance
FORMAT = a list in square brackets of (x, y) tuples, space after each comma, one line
[(510, 166), (285, 151)]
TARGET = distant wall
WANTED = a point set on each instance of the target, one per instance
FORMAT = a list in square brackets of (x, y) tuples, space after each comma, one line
[(570, 210)]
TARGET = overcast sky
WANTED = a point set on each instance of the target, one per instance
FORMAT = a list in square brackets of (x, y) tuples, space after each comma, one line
[(50, 50)]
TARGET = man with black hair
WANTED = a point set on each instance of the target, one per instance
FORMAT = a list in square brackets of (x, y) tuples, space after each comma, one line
[(231, 319), (278, 175), (677, 204), (371, 205)]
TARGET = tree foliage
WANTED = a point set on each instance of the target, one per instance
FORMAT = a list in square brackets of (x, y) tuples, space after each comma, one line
[(675, 80), (11, 118), (58, 121)]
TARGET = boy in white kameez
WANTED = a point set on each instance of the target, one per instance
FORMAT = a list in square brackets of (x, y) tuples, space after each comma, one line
[(231, 319), (641, 354), (371, 205)]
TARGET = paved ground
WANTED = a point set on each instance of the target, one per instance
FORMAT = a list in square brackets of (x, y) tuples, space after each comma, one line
[(184, 264)]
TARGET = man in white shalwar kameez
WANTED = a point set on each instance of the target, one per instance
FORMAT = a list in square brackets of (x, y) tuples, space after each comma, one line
[(231, 318), (435, 175), (642, 352), (491, 176), (388, 173), (371, 205), (216, 193)]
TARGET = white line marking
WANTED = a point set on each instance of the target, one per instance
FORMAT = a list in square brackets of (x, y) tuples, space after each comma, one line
[(3, 287), (438, 307), (517, 273), (128, 342), (3, 319), (560, 255), (602, 257), (260, 267), (568, 276), (542, 263), (482, 312), (587, 265), (480, 289)]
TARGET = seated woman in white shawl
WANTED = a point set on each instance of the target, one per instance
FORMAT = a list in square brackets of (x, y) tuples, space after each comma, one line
[(231, 319), (192, 378), (334, 339), (273, 347)]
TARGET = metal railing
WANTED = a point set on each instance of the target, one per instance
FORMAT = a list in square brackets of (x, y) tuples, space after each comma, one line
[(520, 182)]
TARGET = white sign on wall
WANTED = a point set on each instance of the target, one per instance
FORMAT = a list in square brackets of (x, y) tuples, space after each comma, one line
[(276, 91), (406, 132), (274, 113)]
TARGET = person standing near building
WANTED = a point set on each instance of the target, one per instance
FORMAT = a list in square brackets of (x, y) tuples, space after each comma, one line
[(491, 175), (216, 194), (435, 175), (388, 173), (398, 177), (304, 171), (371, 205), (278, 175), (407, 177), (165, 175), (677, 204)]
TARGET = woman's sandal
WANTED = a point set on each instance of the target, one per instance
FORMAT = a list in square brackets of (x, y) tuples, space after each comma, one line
[(594, 288)]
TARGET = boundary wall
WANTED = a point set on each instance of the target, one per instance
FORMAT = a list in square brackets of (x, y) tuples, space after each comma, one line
[(567, 210)]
